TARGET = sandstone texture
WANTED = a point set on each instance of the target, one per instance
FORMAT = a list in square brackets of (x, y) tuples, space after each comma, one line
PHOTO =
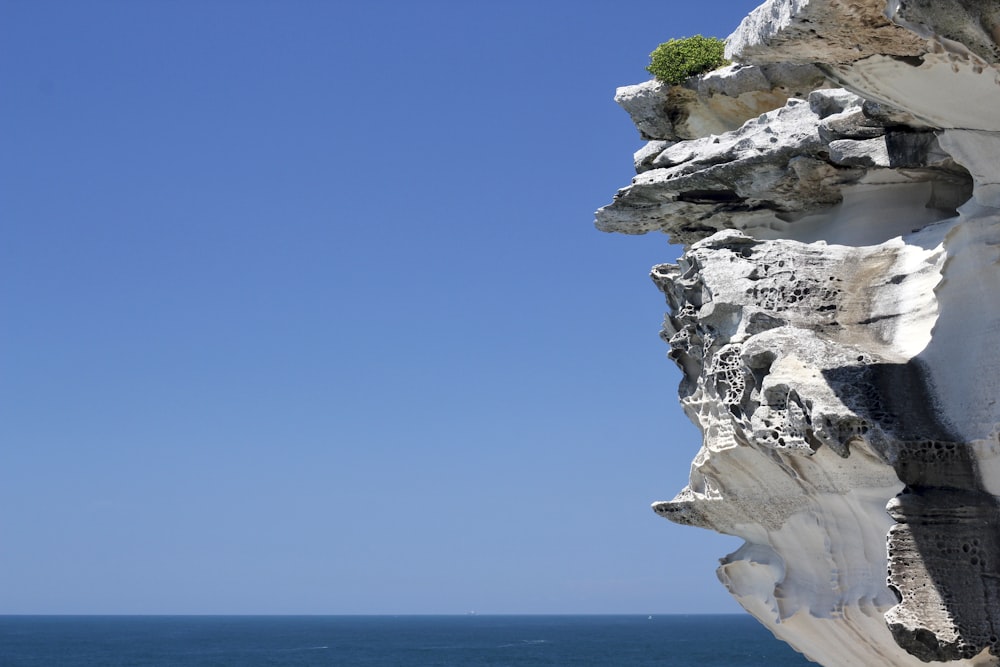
[(836, 318)]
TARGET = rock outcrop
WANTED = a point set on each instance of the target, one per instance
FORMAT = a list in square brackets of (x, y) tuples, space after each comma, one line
[(836, 318)]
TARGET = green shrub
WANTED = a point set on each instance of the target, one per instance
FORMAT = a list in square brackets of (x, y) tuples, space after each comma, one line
[(678, 59)]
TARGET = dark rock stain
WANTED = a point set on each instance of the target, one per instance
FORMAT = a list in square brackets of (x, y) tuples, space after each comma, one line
[(944, 551)]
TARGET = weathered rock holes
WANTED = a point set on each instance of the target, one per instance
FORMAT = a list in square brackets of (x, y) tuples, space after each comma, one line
[(780, 286), (688, 312), (730, 376)]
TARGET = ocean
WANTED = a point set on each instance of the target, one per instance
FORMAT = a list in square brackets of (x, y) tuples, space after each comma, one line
[(384, 641)]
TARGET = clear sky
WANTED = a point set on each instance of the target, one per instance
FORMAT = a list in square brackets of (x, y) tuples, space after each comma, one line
[(303, 311)]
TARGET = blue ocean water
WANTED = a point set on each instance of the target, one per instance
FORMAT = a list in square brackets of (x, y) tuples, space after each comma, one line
[(383, 641)]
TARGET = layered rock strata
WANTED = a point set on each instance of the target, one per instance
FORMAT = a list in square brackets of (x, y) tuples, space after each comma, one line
[(836, 318)]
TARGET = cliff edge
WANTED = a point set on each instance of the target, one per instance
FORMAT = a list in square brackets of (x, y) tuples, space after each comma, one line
[(836, 318)]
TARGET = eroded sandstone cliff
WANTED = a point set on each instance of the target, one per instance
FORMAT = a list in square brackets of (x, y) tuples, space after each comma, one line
[(836, 318)]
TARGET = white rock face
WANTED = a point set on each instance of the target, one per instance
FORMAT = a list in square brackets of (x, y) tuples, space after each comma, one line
[(819, 31), (718, 102), (836, 318), (796, 171)]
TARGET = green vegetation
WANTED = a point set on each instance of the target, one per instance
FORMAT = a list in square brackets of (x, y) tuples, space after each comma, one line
[(678, 59)]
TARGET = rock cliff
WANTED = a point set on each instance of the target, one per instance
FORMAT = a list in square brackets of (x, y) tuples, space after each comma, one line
[(836, 318)]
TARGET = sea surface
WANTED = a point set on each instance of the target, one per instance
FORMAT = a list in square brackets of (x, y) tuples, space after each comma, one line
[(383, 641)]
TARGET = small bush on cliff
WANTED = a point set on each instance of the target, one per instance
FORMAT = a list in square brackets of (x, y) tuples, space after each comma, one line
[(678, 59)]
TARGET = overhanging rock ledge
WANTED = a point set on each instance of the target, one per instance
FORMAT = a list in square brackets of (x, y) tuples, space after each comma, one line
[(836, 318)]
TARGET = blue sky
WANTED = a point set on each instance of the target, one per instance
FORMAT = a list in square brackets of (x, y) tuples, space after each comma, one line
[(304, 312)]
